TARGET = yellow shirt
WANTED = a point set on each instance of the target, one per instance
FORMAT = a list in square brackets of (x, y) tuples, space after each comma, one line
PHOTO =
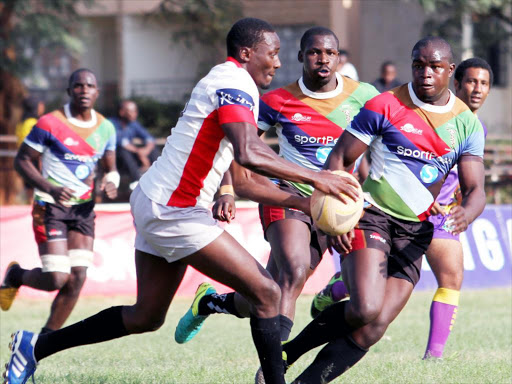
[(24, 128)]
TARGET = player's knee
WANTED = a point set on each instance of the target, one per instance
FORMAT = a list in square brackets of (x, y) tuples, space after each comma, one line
[(293, 279), (141, 322), (77, 279), (55, 280), (269, 294), (366, 312)]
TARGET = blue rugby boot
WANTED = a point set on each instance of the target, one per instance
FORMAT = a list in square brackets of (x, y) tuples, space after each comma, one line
[(22, 363)]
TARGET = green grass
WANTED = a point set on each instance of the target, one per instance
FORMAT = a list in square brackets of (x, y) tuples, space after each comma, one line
[(223, 351)]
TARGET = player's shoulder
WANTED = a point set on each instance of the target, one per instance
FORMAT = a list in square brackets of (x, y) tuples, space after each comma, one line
[(48, 119), (389, 99), (283, 94)]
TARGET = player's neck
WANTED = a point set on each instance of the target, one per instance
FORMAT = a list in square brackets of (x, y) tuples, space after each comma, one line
[(80, 114), (319, 87)]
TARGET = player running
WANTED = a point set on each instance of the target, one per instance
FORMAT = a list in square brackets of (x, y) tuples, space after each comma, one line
[(417, 133), (473, 81), (69, 142), (170, 206), (309, 115)]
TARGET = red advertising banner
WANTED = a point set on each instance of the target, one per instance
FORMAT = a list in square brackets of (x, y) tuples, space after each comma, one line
[(113, 272)]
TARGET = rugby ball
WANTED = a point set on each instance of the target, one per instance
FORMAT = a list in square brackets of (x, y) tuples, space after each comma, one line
[(331, 215)]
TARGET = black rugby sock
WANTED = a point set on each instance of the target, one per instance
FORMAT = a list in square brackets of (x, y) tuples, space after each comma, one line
[(45, 330), (329, 325), (105, 325), (218, 303), (15, 278), (332, 361), (265, 334), (286, 325)]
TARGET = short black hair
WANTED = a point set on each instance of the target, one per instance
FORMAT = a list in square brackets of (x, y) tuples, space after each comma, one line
[(246, 33), (75, 73), (475, 62), (30, 106), (434, 40), (387, 63), (316, 31)]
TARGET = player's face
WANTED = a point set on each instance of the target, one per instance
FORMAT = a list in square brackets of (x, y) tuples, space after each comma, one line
[(83, 90), (264, 60), (320, 58), (431, 72), (474, 87)]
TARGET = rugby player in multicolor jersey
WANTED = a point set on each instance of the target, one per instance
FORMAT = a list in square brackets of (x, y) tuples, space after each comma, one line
[(309, 116), (69, 142), (173, 222), (473, 81), (417, 132)]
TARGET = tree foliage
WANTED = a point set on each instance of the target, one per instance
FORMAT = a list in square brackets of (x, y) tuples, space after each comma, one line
[(27, 26), (492, 21), (203, 21)]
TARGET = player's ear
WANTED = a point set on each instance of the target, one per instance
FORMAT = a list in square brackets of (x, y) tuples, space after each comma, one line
[(245, 54), (452, 69), (300, 57), (456, 84)]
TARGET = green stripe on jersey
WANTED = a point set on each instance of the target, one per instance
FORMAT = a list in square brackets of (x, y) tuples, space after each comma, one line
[(452, 135), (100, 137), (388, 200)]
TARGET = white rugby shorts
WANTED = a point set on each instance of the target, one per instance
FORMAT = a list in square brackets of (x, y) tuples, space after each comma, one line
[(170, 232)]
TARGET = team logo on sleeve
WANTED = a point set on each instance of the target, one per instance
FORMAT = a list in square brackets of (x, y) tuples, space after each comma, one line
[(82, 171), (231, 96), (322, 154), (429, 174)]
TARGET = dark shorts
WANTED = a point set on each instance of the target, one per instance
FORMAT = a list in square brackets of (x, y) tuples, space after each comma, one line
[(270, 214), (403, 241), (52, 222), (440, 229)]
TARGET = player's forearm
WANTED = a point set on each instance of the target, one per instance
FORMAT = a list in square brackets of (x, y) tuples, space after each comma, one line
[(473, 203), (31, 174), (263, 191), (259, 158)]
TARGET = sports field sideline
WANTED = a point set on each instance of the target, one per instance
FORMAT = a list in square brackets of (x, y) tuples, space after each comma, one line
[(479, 349)]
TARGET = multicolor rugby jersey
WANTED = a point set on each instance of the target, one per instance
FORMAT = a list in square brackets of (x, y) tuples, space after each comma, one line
[(413, 146), (197, 154), (70, 150), (450, 194), (308, 124)]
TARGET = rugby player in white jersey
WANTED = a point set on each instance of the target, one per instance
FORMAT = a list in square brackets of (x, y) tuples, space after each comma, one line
[(171, 212)]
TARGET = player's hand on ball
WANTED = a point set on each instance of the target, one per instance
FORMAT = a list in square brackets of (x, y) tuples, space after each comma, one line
[(457, 220), (342, 187), (224, 208)]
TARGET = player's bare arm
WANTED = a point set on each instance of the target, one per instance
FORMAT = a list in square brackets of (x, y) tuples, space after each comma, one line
[(250, 185), (471, 179), (251, 152), (24, 165), (224, 208), (345, 153), (110, 181)]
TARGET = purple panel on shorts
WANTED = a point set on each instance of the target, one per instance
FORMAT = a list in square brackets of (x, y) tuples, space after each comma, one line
[(439, 231)]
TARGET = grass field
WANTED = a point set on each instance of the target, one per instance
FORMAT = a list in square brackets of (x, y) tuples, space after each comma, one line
[(223, 351)]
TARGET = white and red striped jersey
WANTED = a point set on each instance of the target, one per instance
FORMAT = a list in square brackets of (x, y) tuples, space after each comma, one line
[(197, 153)]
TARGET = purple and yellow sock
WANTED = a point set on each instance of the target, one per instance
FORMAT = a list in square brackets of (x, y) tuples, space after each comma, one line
[(442, 317)]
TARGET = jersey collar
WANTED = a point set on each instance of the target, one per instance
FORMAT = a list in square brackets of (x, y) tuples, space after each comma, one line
[(322, 95), (235, 61), (429, 107), (79, 123)]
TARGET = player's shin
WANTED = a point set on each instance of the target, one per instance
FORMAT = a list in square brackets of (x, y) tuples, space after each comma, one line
[(105, 325), (219, 303), (332, 361), (265, 334), (330, 324), (442, 318)]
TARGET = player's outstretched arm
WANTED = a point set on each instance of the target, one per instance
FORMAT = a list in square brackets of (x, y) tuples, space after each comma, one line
[(250, 185), (471, 179), (24, 165), (251, 152), (345, 153)]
